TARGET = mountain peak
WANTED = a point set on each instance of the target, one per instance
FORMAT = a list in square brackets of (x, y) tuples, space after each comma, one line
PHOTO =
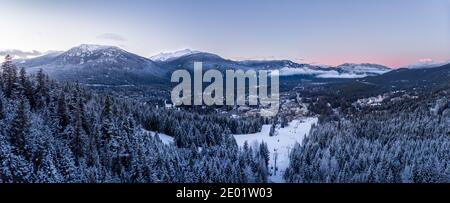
[(85, 51), (427, 63), (363, 69), (362, 64), (164, 56), (91, 47)]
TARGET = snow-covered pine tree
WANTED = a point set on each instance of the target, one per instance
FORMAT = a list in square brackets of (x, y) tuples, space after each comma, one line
[(9, 76), (19, 128), (264, 152), (63, 118), (26, 88), (42, 89)]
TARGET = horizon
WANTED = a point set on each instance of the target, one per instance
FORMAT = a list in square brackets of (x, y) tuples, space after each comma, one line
[(391, 33), (30, 54)]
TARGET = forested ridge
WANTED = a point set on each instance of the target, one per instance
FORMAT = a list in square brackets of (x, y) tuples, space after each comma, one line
[(402, 141), (62, 132)]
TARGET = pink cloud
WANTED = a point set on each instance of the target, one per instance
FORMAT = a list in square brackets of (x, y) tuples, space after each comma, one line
[(426, 60)]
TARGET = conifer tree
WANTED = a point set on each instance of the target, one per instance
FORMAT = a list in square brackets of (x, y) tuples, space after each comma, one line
[(42, 90), (264, 152), (106, 127), (26, 88), (19, 129), (9, 76), (63, 118), (2, 114)]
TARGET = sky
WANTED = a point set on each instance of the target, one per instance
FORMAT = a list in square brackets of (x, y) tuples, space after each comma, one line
[(389, 32)]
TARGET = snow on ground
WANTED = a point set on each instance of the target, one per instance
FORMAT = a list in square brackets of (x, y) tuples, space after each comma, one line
[(280, 144), (166, 139)]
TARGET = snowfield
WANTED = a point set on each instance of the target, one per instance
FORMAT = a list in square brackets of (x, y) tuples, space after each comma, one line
[(166, 139), (172, 55), (280, 144)]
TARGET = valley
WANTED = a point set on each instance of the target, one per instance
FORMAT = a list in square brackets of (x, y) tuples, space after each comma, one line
[(279, 143), (110, 111)]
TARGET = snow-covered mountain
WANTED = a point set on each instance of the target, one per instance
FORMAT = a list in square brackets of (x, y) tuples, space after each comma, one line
[(396, 79), (97, 64), (43, 59), (427, 63), (165, 56), (209, 61), (363, 69), (20, 54), (286, 67), (109, 65), (348, 70)]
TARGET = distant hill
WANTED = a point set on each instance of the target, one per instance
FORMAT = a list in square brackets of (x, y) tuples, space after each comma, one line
[(399, 79)]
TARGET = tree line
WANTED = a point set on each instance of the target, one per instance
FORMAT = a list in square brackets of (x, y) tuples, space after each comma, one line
[(52, 131)]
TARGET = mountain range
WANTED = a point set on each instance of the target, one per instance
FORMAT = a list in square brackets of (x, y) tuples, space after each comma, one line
[(419, 79), (109, 65)]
